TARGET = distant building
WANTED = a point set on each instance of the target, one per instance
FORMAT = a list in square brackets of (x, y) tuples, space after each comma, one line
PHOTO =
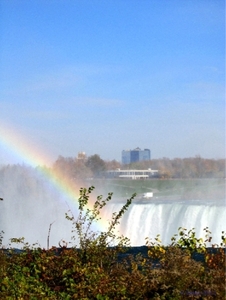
[(81, 156), (131, 174), (131, 156)]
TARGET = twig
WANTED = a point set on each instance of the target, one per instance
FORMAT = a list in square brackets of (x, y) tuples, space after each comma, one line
[(49, 235)]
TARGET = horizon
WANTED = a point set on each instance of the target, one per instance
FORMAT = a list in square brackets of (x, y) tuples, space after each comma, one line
[(104, 76), (49, 164)]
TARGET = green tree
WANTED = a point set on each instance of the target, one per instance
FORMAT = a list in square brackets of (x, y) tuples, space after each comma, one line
[(96, 164)]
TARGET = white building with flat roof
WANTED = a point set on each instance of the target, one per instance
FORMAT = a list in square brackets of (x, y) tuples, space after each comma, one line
[(131, 174)]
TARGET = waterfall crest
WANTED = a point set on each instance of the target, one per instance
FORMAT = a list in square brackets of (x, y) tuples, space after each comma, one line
[(165, 217)]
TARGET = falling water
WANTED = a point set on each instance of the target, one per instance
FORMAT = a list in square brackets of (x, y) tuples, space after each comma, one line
[(165, 217)]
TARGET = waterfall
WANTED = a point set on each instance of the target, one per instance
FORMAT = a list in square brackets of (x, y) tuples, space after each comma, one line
[(165, 217)]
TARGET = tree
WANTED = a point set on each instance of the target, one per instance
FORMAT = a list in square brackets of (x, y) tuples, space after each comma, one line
[(112, 165), (81, 170), (96, 164), (66, 166)]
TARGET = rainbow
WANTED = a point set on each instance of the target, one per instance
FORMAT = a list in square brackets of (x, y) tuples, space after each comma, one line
[(31, 155)]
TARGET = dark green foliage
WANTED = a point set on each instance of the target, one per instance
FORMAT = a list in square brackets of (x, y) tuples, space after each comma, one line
[(96, 164)]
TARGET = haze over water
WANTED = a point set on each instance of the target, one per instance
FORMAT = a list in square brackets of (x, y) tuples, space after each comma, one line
[(31, 204)]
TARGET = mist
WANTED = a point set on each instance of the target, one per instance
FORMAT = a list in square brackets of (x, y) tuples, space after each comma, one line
[(31, 203)]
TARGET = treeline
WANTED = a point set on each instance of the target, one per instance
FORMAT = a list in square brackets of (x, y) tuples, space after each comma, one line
[(193, 167), (94, 166)]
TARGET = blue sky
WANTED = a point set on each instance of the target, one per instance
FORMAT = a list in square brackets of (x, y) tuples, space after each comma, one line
[(101, 76)]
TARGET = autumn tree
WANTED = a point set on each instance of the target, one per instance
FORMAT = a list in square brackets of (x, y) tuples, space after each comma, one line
[(81, 169), (112, 165)]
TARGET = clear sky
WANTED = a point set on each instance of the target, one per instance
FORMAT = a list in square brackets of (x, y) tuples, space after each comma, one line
[(101, 76)]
